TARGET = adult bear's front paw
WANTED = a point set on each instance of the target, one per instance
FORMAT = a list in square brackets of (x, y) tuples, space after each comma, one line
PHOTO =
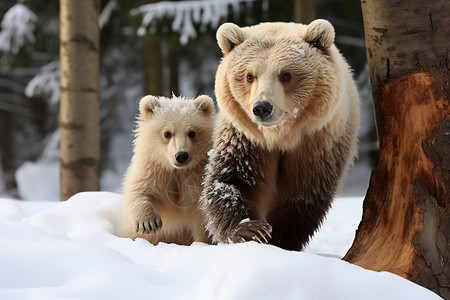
[(251, 230)]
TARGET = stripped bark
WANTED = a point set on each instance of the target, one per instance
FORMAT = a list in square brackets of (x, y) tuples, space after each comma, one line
[(405, 227)]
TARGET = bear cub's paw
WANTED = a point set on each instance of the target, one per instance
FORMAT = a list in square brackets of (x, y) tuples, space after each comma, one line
[(149, 223), (252, 230)]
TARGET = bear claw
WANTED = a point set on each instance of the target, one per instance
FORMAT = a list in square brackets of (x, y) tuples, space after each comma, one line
[(258, 239), (267, 232), (254, 230), (150, 225), (263, 236)]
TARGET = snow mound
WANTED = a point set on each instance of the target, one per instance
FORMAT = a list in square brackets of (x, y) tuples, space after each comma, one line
[(68, 250)]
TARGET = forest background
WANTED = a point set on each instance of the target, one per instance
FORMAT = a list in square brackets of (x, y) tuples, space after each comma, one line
[(161, 48)]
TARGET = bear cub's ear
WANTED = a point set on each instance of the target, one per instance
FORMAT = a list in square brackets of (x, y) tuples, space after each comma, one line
[(228, 36), (319, 33), (147, 106), (205, 104)]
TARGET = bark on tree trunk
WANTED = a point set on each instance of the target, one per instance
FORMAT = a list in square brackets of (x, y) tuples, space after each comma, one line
[(173, 53), (304, 11), (153, 66), (153, 62), (405, 227), (79, 109), (6, 150)]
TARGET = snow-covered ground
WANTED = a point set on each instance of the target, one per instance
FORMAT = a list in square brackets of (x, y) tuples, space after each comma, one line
[(69, 250)]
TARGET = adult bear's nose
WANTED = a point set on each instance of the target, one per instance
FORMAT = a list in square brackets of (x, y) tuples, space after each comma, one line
[(182, 157), (262, 109)]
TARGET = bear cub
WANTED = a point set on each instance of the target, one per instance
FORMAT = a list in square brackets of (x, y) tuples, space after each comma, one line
[(163, 182)]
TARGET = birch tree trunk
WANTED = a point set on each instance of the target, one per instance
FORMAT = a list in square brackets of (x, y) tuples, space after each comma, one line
[(405, 227), (79, 110)]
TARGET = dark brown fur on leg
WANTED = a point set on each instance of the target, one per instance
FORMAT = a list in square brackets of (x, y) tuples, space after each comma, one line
[(232, 171), (294, 227)]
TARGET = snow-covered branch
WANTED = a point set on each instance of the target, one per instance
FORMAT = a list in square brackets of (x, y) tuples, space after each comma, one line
[(46, 83), (186, 14), (18, 25), (106, 13)]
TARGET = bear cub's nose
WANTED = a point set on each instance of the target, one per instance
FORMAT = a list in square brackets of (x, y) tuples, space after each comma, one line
[(262, 109), (182, 157)]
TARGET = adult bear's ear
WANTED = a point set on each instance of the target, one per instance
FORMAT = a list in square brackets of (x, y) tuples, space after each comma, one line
[(319, 33), (228, 36), (147, 106), (205, 104)]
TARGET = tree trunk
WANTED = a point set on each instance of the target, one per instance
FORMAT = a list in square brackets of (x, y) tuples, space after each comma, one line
[(79, 110), (153, 66), (173, 53), (7, 156), (304, 11), (405, 227)]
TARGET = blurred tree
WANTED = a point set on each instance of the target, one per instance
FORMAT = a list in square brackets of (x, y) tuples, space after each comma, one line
[(28, 121), (406, 215), (23, 123), (153, 65), (173, 53), (153, 62), (80, 105), (304, 11)]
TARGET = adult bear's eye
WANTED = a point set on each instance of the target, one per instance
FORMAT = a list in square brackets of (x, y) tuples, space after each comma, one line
[(191, 134), (250, 78), (167, 135), (285, 77)]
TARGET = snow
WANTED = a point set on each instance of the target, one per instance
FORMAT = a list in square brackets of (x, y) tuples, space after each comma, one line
[(46, 83), (185, 14), (18, 25), (296, 51), (62, 250), (243, 221), (180, 106), (106, 13), (38, 181)]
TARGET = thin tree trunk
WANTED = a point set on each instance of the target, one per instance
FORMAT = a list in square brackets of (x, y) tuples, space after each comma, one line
[(304, 11), (153, 66), (79, 110), (153, 62), (405, 227), (6, 150), (173, 68)]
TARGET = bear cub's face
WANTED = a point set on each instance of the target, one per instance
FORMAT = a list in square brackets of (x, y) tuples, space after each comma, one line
[(175, 133)]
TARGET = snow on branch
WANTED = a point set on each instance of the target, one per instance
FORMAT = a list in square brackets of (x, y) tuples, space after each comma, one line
[(106, 13), (46, 83), (185, 14), (18, 25)]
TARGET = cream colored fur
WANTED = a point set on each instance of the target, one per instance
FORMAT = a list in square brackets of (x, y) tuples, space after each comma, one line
[(316, 105), (161, 197)]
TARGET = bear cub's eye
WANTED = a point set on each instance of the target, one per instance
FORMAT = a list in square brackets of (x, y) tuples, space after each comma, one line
[(191, 134), (285, 77), (250, 78), (167, 135)]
